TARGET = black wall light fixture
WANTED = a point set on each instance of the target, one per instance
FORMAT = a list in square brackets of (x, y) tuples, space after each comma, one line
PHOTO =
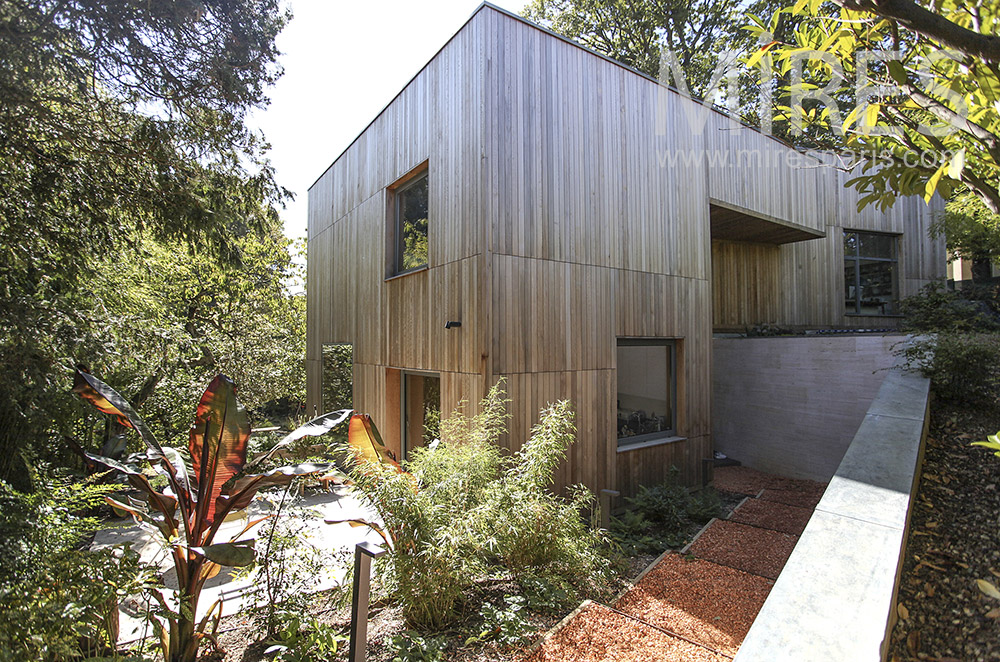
[(452, 325)]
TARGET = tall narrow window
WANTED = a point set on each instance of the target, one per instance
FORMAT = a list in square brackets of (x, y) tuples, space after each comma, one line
[(647, 387), (421, 410), (871, 280), (338, 386), (411, 220)]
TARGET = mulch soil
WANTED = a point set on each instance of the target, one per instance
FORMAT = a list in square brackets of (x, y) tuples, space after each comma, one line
[(711, 604), (599, 634), (772, 515), (954, 540), (748, 548)]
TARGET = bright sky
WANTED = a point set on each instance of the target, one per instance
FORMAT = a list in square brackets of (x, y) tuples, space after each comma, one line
[(344, 61)]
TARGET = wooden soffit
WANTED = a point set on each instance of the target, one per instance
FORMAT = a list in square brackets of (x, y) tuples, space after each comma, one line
[(730, 223)]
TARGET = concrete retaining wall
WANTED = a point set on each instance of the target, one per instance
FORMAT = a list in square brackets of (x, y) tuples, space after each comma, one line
[(835, 596), (790, 405)]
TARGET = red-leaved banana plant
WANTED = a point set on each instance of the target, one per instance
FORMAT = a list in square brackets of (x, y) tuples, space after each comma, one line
[(190, 511)]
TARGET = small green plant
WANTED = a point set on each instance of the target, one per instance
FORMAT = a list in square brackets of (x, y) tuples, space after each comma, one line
[(410, 646), (704, 505), (665, 503), (545, 593), (992, 442), (506, 624), (60, 602), (299, 638)]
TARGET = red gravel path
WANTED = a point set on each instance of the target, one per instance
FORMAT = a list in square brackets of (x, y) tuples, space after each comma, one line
[(746, 548), (792, 497), (772, 515), (705, 602), (598, 634)]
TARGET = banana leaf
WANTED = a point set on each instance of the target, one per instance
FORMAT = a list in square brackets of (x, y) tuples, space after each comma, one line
[(217, 442), (110, 402)]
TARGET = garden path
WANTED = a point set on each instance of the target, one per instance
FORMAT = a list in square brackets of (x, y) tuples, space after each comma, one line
[(697, 604)]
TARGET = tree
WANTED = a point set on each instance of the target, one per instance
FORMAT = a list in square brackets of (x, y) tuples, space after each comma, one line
[(972, 233), (922, 84), (119, 121), (638, 33)]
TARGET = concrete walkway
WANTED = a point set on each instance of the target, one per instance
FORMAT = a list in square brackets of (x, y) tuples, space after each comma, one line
[(698, 604), (337, 504)]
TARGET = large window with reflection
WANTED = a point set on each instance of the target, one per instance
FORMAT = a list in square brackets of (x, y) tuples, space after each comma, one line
[(871, 273), (647, 386)]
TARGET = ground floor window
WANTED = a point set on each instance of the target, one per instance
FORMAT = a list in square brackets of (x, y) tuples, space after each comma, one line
[(871, 273), (338, 384), (421, 410), (647, 386)]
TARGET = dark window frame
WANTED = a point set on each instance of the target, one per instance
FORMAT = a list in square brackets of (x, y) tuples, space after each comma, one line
[(671, 345), (396, 245), (856, 261)]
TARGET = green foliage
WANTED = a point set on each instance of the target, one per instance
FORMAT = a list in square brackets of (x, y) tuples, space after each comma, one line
[(992, 443), (936, 308), (963, 367), (932, 124), (299, 638), (466, 510), (507, 624), (665, 503), (123, 128), (410, 646), (338, 379), (287, 565), (970, 229), (201, 495), (658, 514), (704, 505), (60, 602), (546, 593), (638, 32)]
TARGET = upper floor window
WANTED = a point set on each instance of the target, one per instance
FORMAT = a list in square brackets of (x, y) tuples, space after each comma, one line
[(647, 389), (871, 273), (410, 218)]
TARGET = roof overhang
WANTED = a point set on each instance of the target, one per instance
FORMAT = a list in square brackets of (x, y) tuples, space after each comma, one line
[(734, 224)]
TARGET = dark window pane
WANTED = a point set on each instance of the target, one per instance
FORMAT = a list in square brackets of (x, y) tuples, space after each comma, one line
[(878, 287), (411, 226), (645, 391), (877, 245), (850, 287)]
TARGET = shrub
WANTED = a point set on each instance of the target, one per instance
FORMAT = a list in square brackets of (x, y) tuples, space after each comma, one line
[(665, 503), (704, 505), (936, 308), (465, 510), (60, 602), (962, 367)]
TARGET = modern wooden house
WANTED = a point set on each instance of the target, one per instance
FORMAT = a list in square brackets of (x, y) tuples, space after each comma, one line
[(530, 209)]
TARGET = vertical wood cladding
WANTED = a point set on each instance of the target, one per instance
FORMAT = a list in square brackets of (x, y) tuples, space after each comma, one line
[(563, 215)]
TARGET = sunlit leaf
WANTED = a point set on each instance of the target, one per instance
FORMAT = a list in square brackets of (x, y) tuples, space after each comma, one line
[(988, 589), (314, 428), (110, 402), (235, 554), (217, 442), (366, 443)]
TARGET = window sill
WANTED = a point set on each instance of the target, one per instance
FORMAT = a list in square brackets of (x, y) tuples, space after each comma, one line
[(649, 442), (873, 315), (401, 274)]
